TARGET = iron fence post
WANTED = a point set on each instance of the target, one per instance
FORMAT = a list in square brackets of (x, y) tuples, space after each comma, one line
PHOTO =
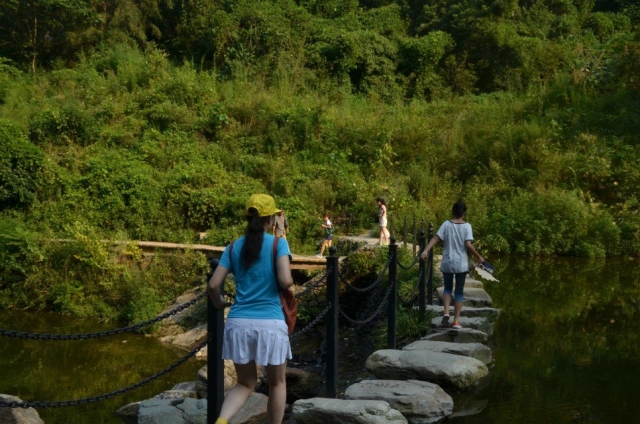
[(404, 232), (393, 295), (215, 365), (430, 269), (423, 275), (332, 324), (415, 234)]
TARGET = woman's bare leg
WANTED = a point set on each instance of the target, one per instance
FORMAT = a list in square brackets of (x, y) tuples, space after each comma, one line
[(236, 398), (277, 392)]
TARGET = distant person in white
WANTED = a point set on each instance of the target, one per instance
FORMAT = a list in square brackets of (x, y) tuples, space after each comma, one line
[(382, 219), (457, 237)]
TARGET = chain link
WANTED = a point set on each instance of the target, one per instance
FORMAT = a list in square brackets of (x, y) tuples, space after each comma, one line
[(414, 293), (313, 323), (407, 268), (36, 336), (375, 283), (82, 401), (314, 285), (376, 313)]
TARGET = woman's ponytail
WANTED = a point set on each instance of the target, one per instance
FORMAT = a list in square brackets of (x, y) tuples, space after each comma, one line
[(253, 238)]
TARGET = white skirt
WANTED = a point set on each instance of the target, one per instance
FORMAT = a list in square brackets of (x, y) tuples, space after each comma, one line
[(383, 221), (265, 341)]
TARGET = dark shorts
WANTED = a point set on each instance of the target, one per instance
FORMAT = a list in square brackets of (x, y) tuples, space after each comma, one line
[(328, 237)]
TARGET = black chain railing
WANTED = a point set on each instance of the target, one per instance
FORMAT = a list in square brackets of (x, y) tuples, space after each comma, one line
[(416, 259), (414, 293), (312, 323), (309, 287), (85, 336), (371, 286), (375, 314), (82, 401)]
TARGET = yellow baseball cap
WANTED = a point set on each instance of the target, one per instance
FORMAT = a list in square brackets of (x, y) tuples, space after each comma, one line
[(263, 203)]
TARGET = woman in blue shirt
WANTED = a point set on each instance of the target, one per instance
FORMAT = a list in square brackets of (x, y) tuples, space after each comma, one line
[(255, 331)]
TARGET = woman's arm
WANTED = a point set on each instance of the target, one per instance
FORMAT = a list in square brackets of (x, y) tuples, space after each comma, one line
[(214, 286), (473, 250), (425, 253), (284, 272)]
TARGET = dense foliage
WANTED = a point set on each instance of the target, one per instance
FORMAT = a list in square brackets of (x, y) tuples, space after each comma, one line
[(154, 120)]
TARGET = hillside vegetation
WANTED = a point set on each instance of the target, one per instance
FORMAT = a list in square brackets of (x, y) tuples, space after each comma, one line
[(155, 120)]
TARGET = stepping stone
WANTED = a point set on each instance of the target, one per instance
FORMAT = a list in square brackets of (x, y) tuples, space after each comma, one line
[(462, 335), (153, 411), (477, 323), (473, 297), (473, 350), (444, 369), (473, 283), (18, 415), (467, 311), (323, 410), (420, 402)]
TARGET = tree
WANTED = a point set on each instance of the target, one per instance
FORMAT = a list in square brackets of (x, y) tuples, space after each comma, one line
[(36, 30)]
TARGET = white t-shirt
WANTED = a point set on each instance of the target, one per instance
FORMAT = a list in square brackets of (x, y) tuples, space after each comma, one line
[(454, 255)]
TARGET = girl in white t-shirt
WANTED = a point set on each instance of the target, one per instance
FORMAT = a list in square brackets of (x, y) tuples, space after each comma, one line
[(382, 219), (457, 236)]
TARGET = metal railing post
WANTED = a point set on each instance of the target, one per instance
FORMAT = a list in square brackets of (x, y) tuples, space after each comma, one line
[(332, 324), (393, 295), (430, 269), (404, 232), (422, 240), (215, 365), (415, 234)]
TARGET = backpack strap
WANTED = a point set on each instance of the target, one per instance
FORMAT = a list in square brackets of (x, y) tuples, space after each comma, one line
[(230, 252), (276, 240)]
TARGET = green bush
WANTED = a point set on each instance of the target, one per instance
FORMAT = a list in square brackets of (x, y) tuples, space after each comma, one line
[(20, 254), (22, 169), (70, 124), (552, 222)]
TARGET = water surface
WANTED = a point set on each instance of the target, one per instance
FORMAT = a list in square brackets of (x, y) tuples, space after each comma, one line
[(37, 370), (565, 345)]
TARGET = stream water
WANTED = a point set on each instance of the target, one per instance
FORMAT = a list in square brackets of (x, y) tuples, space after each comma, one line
[(36, 370), (565, 351), (565, 345)]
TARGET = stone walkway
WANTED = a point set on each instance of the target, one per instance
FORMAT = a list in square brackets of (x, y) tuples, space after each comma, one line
[(411, 385)]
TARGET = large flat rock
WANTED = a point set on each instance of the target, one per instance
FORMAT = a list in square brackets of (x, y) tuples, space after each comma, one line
[(444, 369), (477, 323), (473, 350), (462, 335), (18, 415), (468, 311), (472, 283), (420, 402), (473, 297), (325, 411)]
